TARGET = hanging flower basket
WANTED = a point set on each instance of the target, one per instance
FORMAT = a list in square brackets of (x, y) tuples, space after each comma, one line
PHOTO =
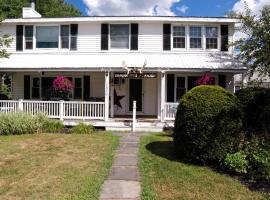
[(206, 79), (63, 87)]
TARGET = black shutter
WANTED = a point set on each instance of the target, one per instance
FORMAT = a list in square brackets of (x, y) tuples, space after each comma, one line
[(166, 37), (222, 80), (74, 34), (19, 38), (26, 87), (86, 88), (134, 36), (104, 36), (224, 37), (170, 88)]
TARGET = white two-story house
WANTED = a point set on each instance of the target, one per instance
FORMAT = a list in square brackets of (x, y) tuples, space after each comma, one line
[(113, 61)]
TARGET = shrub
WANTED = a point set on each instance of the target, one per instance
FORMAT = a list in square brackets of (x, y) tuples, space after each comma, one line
[(82, 128), (258, 151), (236, 162), (208, 124), (18, 124), (49, 125), (256, 106)]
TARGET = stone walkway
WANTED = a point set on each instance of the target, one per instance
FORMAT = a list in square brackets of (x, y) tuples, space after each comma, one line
[(123, 182)]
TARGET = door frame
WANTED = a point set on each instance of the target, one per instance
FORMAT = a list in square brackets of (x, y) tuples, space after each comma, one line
[(128, 99)]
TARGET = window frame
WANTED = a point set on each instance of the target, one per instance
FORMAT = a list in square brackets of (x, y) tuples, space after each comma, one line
[(172, 36), (25, 40), (129, 38), (59, 36), (82, 89), (218, 37), (69, 37), (202, 37)]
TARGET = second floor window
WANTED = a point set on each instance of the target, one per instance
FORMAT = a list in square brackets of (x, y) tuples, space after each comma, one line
[(47, 36), (195, 34), (29, 32), (65, 36), (119, 36), (179, 37), (211, 34)]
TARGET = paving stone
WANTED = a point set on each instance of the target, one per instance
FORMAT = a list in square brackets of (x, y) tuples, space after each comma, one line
[(130, 139), (128, 151), (129, 144), (123, 160), (120, 190), (124, 173)]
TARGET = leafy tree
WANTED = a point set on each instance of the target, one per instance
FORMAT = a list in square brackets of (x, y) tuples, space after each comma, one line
[(255, 48), (47, 8)]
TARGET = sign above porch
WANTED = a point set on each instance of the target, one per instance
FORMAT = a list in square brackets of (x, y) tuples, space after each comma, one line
[(135, 75)]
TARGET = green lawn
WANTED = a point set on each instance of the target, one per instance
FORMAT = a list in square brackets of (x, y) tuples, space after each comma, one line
[(54, 166), (165, 177)]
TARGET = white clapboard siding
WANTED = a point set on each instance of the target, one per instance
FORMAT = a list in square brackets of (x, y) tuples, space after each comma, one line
[(150, 37), (11, 31), (89, 37)]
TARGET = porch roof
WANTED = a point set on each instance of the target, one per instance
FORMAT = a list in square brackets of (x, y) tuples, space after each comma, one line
[(104, 61)]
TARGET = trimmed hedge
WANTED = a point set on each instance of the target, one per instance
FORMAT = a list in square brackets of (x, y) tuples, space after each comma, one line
[(82, 128), (256, 107), (208, 124)]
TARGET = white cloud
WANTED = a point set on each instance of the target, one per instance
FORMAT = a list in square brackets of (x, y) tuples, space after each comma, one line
[(183, 9), (130, 7), (254, 5)]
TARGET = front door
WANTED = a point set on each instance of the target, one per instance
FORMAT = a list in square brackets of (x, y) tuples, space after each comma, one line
[(135, 93)]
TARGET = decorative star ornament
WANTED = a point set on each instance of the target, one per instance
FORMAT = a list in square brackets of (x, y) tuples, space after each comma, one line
[(117, 99)]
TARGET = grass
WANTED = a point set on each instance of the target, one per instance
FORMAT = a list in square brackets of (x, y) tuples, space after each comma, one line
[(165, 177), (53, 166)]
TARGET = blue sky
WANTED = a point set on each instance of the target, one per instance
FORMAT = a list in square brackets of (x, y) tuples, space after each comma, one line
[(210, 8)]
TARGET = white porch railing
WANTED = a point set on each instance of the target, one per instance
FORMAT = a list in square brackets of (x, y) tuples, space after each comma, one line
[(170, 111), (56, 109)]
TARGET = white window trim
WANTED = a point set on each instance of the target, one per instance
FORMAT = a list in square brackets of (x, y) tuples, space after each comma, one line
[(218, 37), (172, 37), (202, 37), (129, 38)]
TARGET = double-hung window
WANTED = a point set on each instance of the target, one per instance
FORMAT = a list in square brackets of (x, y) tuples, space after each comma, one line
[(36, 88), (29, 32), (47, 36), (195, 34), (179, 37), (65, 36), (119, 36), (211, 34)]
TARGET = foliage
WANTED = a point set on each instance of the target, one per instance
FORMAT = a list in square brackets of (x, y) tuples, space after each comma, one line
[(254, 49), (208, 124), (206, 79), (49, 125), (18, 124), (47, 8), (256, 106), (82, 128), (5, 42), (258, 151), (236, 162)]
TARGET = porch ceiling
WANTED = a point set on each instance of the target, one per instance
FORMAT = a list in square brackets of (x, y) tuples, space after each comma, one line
[(91, 62)]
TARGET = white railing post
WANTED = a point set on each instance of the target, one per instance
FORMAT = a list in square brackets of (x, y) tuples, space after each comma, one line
[(20, 105), (134, 117), (107, 95), (61, 110)]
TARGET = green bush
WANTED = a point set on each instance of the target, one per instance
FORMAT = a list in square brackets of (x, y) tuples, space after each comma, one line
[(49, 125), (18, 124), (256, 106), (236, 162), (208, 124), (82, 128), (258, 151)]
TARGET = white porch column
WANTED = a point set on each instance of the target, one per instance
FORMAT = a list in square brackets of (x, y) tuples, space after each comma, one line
[(162, 95), (107, 95), (112, 98)]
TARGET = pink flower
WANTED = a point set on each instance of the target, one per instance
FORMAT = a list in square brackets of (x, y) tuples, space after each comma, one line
[(206, 79), (62, 84)]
